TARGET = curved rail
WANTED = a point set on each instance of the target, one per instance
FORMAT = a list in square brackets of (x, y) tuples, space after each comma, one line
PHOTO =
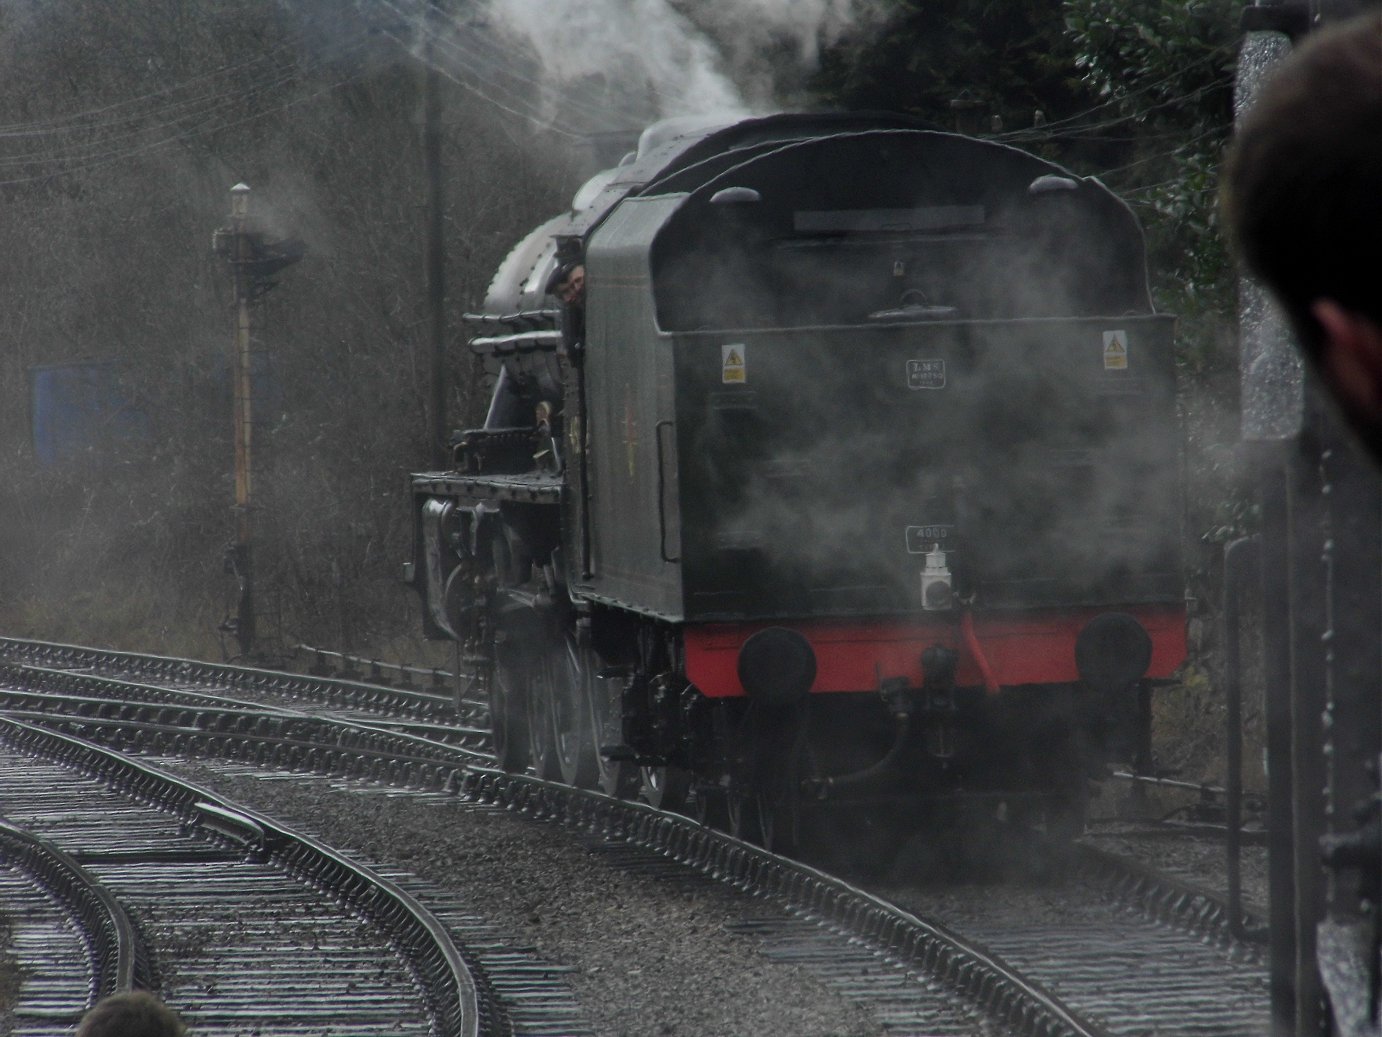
[(179, 721), (964, 967), (451, 988), (1162, 897), (119, 959), (417, 702)]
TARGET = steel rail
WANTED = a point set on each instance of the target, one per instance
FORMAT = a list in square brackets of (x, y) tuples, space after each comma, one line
[(119, 957), (1162, 897), (450, 986), (355, 693), (181, 716)]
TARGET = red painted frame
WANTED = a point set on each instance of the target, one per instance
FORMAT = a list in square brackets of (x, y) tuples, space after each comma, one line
[(1021, 648)]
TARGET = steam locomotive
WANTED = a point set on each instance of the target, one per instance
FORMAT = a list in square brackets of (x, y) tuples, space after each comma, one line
[(850, 478)]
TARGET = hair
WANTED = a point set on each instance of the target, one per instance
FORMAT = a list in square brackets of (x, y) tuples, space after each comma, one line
[(560, 275), (136, 1014), (1302, 189)]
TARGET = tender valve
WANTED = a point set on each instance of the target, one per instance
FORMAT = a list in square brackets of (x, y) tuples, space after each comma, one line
[(897, 694), (937, 593)]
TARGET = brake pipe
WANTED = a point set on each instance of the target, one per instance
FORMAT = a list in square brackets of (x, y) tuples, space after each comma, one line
[(976, 652)]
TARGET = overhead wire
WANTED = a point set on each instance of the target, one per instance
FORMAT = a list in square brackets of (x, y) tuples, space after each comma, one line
[(1051, 128), (1073, 128), (180, 116), (1091, 130), (59, 124), (200, 109), (579, 96), (536, 120), (1213, 131), (199, 116), (496, 69), (653, 90), (473, 66), (197, 110), (423, 34)]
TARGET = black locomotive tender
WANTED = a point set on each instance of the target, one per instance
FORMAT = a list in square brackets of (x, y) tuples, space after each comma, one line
[(853, 476)]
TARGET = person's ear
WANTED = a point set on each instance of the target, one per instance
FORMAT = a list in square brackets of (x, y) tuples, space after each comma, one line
[(1351, 359)]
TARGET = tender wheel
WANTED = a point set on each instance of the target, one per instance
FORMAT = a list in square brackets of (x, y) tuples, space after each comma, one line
[(571, 714), (705, 803), (779, 822), (614, 777), (1067, 807), (665, 787), (761, 797), (741, 813), (1067, 811), (542, 736)]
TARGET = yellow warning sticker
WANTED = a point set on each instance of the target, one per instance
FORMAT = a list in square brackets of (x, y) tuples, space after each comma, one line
[(1115, 351), (733, 368)]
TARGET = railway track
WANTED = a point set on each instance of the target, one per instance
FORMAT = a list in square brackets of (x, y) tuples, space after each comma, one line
[(874, 947), (70, 932), (249, 921)]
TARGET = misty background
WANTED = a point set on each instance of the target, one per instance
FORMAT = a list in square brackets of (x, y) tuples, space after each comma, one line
[(124, 123)]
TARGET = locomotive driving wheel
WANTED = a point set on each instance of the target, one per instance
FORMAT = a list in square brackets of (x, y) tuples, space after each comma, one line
[(508, 722), (741, 811), (542, 736), (665, 787), (705, 804), (511, 673), (569, 703)]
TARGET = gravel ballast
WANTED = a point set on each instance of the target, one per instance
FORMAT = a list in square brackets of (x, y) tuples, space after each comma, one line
[(647, 955), (643, 953)]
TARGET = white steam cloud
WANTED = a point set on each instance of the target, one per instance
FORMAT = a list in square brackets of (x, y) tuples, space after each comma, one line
[(651, 58), (751, 25)]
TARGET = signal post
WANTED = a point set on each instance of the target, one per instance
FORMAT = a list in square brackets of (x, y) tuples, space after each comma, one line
[(253, 260)]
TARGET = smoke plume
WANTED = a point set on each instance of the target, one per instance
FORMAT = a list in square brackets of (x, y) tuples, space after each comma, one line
[(669, 60)]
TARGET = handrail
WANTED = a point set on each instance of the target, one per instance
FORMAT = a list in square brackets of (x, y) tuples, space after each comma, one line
[(1242, 560)]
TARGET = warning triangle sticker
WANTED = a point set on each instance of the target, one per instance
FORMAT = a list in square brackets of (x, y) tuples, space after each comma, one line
[(1115, 350), (733, 368)]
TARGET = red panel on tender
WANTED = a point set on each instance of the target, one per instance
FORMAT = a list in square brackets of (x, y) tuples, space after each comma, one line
[(1026, 648)]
